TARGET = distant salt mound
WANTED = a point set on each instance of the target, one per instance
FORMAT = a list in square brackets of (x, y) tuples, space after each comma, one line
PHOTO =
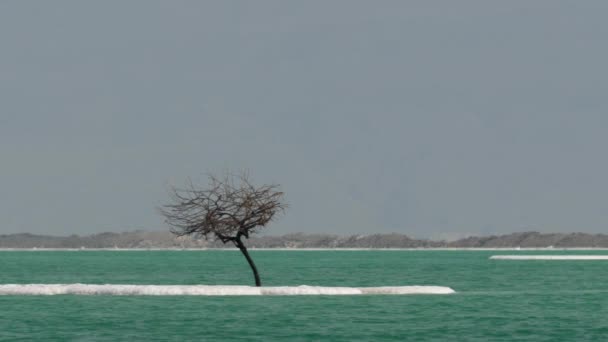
[(211, 290), (550, 257)]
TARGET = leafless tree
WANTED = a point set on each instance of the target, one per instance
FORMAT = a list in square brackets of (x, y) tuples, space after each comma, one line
[(230, 208)]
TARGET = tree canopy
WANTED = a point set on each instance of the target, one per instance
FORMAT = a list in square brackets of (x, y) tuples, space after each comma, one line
[(227, 209)]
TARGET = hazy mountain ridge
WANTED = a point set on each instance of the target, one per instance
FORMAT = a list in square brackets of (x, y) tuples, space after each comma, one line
[(142, 239)]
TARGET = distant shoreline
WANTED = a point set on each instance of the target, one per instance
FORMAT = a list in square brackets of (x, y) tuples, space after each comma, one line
[(306, 249), (144, 240)]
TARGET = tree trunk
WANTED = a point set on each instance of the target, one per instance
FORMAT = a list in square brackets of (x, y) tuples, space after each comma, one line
[(243, 249)]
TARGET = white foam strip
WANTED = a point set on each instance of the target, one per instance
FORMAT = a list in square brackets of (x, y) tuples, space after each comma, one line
[(210, 290), (550, 257)]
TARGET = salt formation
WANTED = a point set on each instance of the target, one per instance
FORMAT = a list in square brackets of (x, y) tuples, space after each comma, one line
[(550, 257), (211, 290)]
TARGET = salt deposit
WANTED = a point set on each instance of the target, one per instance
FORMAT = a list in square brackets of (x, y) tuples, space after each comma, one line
[(550, 257), (211, 290)]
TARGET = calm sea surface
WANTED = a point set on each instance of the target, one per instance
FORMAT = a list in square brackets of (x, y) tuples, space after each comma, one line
[(496, 300)]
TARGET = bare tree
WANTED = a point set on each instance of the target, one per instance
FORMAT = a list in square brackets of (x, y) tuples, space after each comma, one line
[(229, 209)]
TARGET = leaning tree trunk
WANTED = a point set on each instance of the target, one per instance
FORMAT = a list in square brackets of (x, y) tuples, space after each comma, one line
[(243, 249)]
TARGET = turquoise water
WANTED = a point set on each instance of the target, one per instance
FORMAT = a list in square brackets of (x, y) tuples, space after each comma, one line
[(496, 300)]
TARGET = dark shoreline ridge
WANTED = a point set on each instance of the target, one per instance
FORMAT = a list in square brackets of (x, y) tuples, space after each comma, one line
[(143, 239)]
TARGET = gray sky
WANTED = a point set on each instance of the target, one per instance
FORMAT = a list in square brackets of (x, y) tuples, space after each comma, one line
[(430, 118)]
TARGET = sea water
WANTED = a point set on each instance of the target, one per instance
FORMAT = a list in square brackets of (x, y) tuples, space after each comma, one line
[(536, 300)]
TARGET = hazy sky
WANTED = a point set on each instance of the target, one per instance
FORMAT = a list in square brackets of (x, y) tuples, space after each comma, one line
[(421, 117)]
